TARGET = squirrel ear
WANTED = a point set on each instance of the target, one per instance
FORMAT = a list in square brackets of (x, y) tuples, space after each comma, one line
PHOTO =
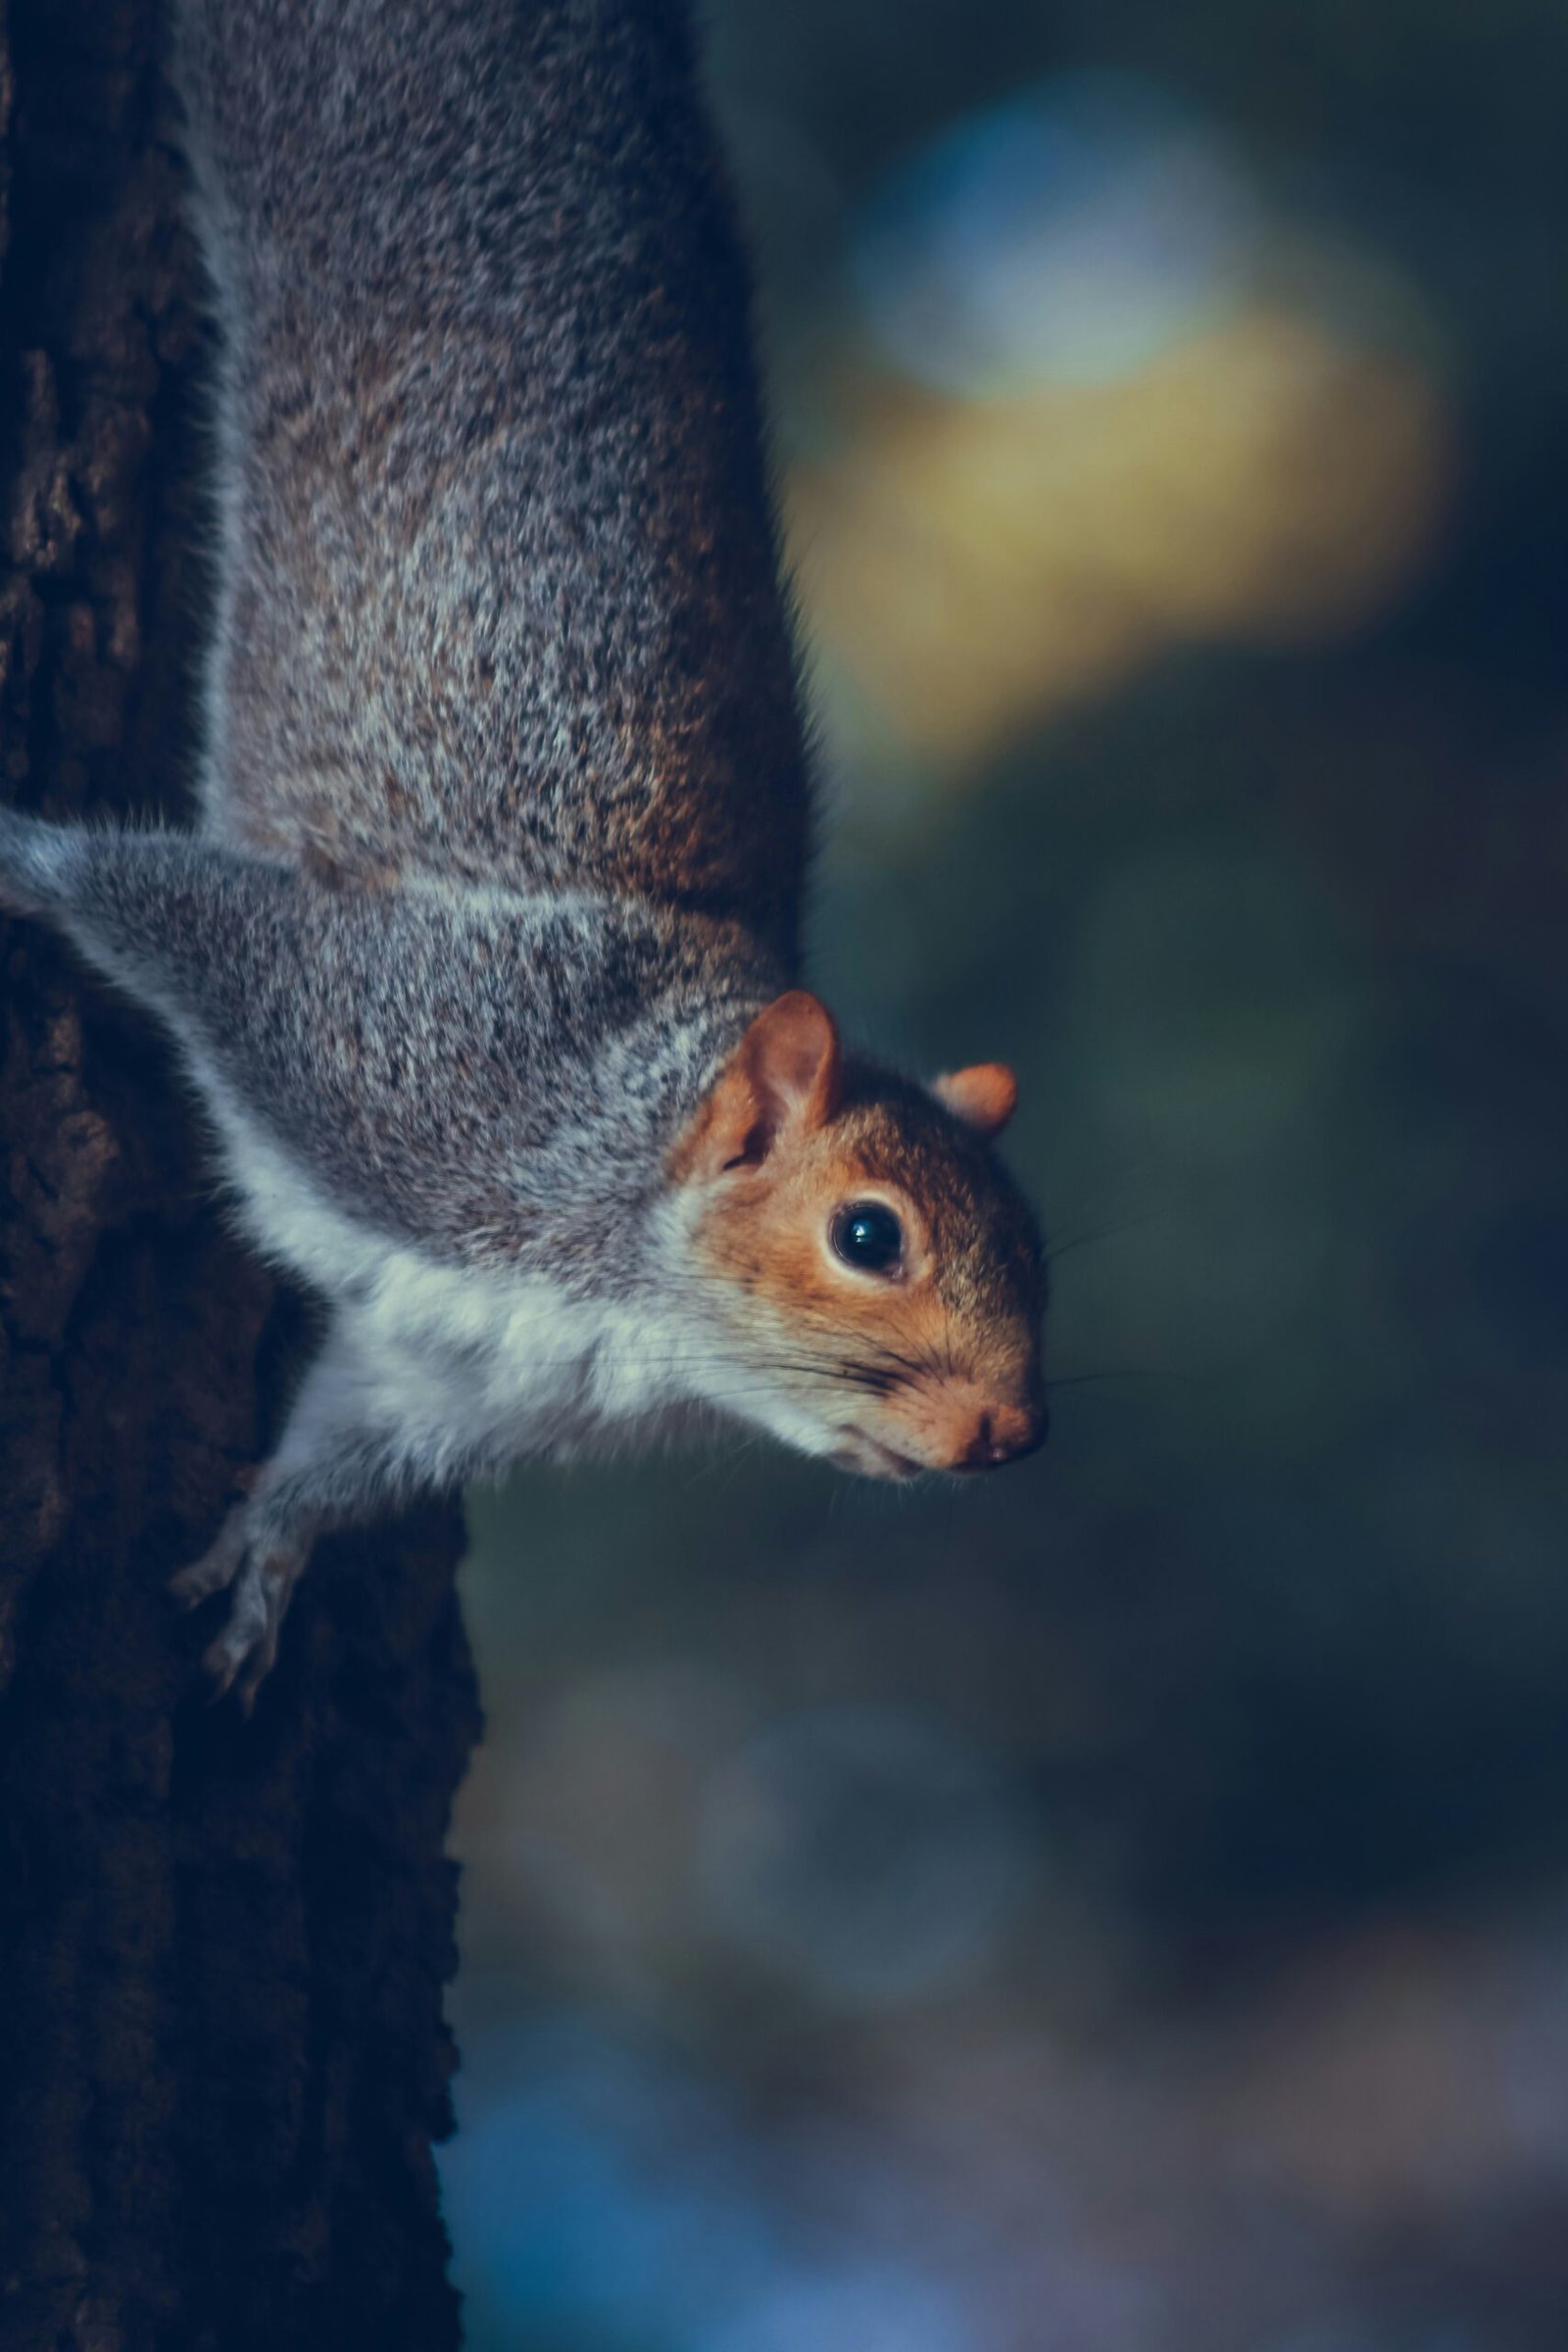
[(984, 1098), (784, 1073)]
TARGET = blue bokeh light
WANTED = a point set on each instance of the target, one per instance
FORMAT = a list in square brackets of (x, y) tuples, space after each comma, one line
[(607, 2198), (1067, 236), (868, 1851)]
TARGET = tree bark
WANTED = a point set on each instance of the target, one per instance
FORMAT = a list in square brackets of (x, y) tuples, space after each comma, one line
[(222, 1944)]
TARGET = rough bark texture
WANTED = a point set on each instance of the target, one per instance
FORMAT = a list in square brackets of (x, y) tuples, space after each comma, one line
[(221, 1944)]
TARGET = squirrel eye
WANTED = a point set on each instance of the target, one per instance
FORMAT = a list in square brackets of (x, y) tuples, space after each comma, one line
[(867, 1236)]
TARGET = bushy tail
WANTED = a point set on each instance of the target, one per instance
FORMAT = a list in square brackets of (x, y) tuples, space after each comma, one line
[(498, 579)]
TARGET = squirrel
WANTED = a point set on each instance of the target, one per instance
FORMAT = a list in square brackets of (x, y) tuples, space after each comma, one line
[(483, 956)]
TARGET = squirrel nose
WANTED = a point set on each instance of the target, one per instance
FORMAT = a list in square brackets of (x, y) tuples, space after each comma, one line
[(1004, 1434)]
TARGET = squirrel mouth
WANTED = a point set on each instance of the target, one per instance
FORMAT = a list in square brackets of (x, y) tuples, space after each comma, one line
[(873, 1460)]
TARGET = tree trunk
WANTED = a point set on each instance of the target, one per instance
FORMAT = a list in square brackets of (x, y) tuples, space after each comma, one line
[(222, 1944)]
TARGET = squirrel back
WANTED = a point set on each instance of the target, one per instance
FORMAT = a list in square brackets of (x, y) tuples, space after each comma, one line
[(490, 487), (526, 1097)]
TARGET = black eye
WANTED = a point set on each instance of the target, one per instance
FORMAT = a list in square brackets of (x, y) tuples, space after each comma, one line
[(869, 1236)]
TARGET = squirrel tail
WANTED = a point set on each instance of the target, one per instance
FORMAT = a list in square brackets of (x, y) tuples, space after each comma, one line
[(497, 563)]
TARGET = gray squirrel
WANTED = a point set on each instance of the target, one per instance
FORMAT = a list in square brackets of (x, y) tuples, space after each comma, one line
[(483, 956)]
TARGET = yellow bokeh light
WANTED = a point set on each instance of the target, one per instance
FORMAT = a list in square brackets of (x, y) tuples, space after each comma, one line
[(974, 565)]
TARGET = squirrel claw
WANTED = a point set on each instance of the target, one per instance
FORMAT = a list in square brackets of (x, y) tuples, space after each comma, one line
[(217, 1566), (261, 1576)]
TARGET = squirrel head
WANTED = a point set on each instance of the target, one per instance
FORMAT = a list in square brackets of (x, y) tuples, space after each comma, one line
[(870, 1270)]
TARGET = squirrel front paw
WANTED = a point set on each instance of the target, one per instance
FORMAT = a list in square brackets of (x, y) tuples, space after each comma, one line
[(260, 1572)]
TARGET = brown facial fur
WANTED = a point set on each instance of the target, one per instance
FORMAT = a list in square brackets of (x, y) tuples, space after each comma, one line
[(938, 1368)]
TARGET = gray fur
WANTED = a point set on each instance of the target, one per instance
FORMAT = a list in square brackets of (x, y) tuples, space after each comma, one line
[(499, 584), (492, 1078), (503, 803)]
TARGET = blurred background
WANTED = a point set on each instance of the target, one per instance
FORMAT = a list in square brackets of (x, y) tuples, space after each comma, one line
[(1121, 1906)]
